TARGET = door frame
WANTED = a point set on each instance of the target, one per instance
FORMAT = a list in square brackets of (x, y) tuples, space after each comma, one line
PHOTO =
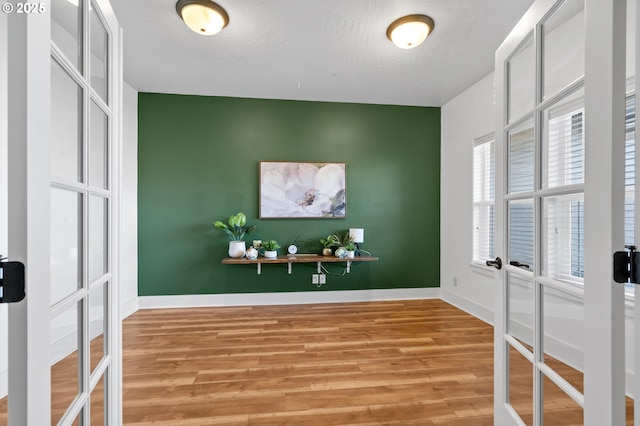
[(636, 306), (604, 401), (29, 48), (605, 97), (28, 215)]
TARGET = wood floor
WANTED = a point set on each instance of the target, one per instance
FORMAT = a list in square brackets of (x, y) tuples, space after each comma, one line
[(373, 363), (380, 363)]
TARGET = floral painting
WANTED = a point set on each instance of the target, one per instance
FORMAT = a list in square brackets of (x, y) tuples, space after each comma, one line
[(304, 190)]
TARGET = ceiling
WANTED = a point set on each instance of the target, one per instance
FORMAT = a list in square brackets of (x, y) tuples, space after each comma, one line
[(320, 50)]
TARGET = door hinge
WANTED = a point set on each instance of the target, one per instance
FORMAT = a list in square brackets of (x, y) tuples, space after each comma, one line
[(11, 281), (626, 266)]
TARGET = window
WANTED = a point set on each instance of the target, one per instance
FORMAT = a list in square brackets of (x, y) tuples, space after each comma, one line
[(520, 212), (484, 199), (629, 179), (629, 170), (563, 215)]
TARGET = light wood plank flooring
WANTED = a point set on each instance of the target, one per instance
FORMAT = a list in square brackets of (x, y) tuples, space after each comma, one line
[(379, 363)]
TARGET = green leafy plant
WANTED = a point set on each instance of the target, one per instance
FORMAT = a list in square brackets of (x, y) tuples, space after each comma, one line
[(236, 227), (350, 245), (270, 245), (347, 240), (331, 241)]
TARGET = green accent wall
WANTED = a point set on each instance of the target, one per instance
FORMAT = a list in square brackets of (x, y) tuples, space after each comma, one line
[(199, 162)]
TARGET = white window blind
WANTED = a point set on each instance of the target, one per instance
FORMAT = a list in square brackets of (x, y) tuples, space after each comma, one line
[(521, 212), (521, 160), (484, 199), (630, 171), (630, 179), (563, 236), (521, 232), (563, 215), (563, 150)]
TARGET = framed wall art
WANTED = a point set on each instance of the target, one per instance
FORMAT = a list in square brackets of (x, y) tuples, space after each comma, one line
[(302, 190)]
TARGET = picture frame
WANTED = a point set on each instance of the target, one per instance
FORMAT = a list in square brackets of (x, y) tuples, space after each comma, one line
[(309, 190)]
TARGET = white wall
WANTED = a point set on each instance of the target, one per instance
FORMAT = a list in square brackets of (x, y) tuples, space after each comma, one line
[(468, 116), (129, 205)]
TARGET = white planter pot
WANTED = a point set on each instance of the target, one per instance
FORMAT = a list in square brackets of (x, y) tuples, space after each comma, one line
[(237, 249), (351, 254), (271, 254)]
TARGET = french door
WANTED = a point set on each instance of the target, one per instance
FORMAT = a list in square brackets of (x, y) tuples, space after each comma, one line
[(64, 84), (559, 326)]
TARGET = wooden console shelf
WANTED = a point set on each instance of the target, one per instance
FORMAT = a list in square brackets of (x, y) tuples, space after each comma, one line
[(290, 259)]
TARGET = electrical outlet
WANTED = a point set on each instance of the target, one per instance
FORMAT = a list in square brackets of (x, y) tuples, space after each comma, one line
[(314, 278), (323, 278)]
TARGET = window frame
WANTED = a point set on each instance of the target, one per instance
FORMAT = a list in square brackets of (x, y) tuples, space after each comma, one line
[(477, 260)]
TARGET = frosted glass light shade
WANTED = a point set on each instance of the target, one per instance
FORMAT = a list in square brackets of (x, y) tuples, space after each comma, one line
[(202, 16), (357, 235), (410, 31)]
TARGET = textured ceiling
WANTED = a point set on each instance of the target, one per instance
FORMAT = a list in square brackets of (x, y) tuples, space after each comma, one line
[(321, 50)]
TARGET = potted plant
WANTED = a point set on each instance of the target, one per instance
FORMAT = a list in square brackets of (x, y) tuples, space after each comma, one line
[(350, 246), (236, 228), (270, 248), (331, 241), (347, 246)]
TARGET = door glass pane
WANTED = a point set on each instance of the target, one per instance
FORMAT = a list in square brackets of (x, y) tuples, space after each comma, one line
[(521, 305), (521, 82), (521, 160), (97, 325), (99, 59), (98, 217), (66, 29), (66, 125), (563, 237), (559, 408), (563, 47), (98, 147), (563, 337), (521, 385), (66, 243), (520, 243), (630, 170), (629, 179), (65, 385), (97, 403), (563, 142)]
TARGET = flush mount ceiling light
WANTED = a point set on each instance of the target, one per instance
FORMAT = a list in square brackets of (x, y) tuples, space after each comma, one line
[(202, 16), (410, 31)]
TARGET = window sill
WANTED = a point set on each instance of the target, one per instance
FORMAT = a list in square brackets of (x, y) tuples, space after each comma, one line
[(479, 268)]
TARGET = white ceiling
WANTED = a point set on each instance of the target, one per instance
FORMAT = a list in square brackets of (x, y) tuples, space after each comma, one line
[(321, 50)]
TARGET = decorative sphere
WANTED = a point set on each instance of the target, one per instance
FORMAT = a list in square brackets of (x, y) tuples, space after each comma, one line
[(341, 252), (252, 254)]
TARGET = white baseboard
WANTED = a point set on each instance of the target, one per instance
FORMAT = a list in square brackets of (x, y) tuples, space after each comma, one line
[(467, 305), (129, 307), (293, 298)]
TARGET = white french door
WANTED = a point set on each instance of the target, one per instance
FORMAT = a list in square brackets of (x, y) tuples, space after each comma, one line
[(559, 326), (64, 85)]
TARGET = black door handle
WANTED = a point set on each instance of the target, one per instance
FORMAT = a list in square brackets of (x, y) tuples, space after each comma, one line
[(495, 263), (518, 264)]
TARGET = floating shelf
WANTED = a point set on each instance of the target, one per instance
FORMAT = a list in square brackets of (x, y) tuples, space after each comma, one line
[(291, 259)]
